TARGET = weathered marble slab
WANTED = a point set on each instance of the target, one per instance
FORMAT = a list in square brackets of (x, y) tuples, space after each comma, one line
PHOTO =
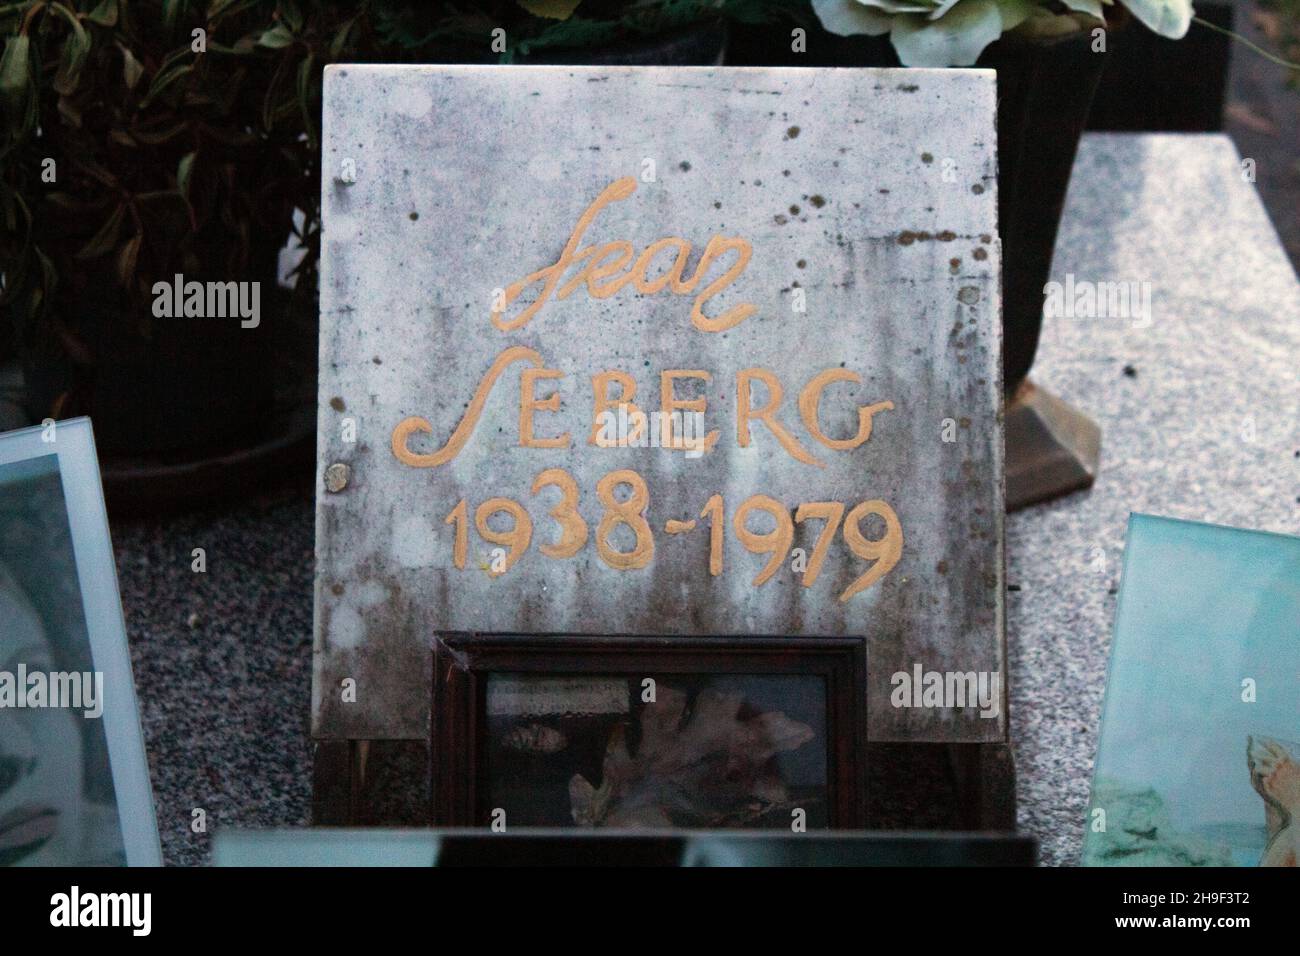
[(868, 198)]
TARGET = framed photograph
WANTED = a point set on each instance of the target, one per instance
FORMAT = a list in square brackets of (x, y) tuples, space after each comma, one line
[(74, 781), (648, 732), (1199, 758)]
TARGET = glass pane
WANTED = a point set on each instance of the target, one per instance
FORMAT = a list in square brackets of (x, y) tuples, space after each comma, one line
[(57, 802), (708, 751), (1198, 763)]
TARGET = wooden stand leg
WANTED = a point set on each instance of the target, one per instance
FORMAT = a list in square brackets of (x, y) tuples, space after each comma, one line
[(1052, 448), (986, 786), (337, 782)]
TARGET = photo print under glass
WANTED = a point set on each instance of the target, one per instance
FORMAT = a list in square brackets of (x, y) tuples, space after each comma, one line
[(1199, 758), (57, 800), (705, 751)]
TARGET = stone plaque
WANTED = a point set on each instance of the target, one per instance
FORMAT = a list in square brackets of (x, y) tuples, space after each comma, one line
[(678, 351)]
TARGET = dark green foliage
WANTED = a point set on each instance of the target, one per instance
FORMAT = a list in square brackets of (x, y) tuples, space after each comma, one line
[(170, 154)]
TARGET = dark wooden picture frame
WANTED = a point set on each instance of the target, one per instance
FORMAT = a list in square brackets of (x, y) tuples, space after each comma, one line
[(464, 661)]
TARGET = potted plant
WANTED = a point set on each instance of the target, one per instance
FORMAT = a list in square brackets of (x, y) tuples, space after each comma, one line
[(149, 147), (153, 139), (1031, 43), (1048, 55), (624, 32)]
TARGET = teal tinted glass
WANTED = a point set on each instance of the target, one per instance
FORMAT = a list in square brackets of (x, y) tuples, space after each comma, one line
[(1199, 756)]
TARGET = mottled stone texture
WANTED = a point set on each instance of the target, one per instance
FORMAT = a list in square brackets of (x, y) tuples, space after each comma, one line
[(872, 193)]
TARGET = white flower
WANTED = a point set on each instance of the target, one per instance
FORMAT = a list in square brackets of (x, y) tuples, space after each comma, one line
[(955, 32)]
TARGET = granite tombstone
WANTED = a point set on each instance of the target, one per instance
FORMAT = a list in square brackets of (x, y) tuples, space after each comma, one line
[(630, 350)]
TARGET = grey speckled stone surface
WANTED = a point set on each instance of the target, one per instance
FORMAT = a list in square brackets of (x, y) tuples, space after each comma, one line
[(840, 199), (222, 664), (1199, 414), (225, 701)]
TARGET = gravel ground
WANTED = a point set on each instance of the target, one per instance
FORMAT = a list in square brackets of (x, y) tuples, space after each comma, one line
[(222, 665)]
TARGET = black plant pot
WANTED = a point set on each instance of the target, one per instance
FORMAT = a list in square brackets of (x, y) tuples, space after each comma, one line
[(194, 386), (1045, 90), (184, 408), (185, 385)]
